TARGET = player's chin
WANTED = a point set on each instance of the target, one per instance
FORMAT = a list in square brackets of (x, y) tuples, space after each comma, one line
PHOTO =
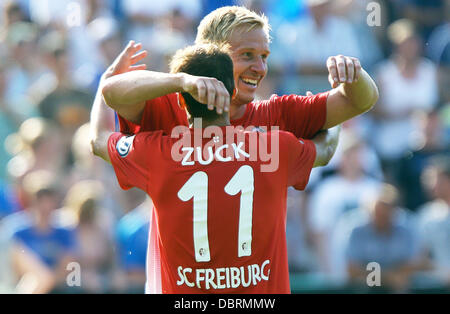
[(246, 97)]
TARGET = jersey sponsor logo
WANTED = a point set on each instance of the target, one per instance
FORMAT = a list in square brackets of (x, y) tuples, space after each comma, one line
[(224, 277), (123, 146)]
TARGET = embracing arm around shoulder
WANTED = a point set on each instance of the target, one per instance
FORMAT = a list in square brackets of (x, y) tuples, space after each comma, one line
[(354, 91), (127, 93), (100, 128), (102, 116), (326, 142)]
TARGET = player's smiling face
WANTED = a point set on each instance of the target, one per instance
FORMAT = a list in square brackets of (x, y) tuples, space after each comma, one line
[(249, 51)]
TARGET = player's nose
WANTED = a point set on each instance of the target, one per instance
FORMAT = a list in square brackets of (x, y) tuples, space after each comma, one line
[(259, 66)]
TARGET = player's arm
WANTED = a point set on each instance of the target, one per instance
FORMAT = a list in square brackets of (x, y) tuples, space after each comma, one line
[(102, 116), (354, 91), (127, 93), (100, 126), (326, 142)]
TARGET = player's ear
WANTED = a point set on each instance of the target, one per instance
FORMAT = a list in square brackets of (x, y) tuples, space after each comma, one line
[(181, 101)]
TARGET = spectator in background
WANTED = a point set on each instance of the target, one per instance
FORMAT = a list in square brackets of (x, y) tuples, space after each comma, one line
[(132, 236), (384, 241), (95, 246), (439, 51), (408, 83), (87, 167), (322, 34), (12, 13), (67, 105), (427, 14), (301, 257), (333, 197), (303, 46), (48, 14), (435, 221), (7, 121), (162, 27), (34, 147), (9, 225), (85, 39), (26, 76), (107, 37), (429, 142), (355, 11), (50, 246)]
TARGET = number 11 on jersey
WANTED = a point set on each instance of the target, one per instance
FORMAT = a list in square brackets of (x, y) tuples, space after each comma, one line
[(197, 187)]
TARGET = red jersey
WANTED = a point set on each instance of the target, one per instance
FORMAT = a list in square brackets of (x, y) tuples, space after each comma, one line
[(220, 218), (301, 115)]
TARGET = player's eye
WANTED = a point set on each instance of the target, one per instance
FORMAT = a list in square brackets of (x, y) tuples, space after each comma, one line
[(248, 55)]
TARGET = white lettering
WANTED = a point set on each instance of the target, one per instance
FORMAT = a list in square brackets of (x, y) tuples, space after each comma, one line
[(189, 270), (255, 274), (238, 149), (235, 277), (186, 157), (200, 157), (180, 274), (210, 279), (199, 276), (224, 277), (264, 277), (219, 156)]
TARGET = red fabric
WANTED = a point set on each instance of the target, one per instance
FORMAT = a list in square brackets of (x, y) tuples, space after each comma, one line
[(301, 115), (146, 161), (162, 113)]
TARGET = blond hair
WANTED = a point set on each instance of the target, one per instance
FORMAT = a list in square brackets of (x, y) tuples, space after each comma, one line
[(218, 26)]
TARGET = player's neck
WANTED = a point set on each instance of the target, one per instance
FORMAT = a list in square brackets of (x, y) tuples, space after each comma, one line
[(237, 111)]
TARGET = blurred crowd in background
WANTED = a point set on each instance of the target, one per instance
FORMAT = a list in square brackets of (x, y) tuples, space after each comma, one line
[(385, 196)]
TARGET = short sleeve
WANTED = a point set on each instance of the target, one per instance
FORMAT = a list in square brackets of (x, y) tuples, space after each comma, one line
[(304, 116), (301, 156), (132, 156)]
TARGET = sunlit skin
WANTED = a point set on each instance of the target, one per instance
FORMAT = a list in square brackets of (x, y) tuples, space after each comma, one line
[(249, 52)]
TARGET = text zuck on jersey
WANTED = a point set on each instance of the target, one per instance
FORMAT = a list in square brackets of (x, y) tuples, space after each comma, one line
[(225, 145)]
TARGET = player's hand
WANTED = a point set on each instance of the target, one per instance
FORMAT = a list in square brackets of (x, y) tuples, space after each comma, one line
[(127, 59), (207, 90), (343, 69)]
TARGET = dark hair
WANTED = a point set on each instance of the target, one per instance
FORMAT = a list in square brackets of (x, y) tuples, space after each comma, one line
[(204, 60)]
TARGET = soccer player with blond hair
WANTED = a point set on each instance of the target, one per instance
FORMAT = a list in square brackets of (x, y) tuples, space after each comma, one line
[(149, 101), (221, 219)]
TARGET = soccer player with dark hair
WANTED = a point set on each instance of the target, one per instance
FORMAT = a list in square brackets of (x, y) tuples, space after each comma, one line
[(221, 218), (141, 107)]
